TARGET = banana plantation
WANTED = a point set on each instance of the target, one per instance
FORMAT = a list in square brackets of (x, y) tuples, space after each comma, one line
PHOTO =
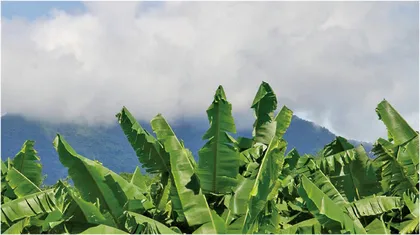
[(237, 186)]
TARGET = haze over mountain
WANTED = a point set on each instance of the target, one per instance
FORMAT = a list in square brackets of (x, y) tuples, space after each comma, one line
[(81, 61), (110, 146)]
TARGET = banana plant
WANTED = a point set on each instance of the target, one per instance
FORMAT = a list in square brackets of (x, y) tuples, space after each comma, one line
[(239, 185)]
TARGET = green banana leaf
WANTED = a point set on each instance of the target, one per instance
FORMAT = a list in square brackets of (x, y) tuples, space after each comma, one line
[(283, 120), (239, 201), (264, 105), (193, 202), (136, 219), (411, 221), (377, 226), (339, 144), (30, 205), (352, 172), (21, 185), (324, 183), (7, 193), (27, 162), (251, 154), (374, 205), (75, 209), (18, 227), (103, 229), (394, 178), (150, 152), (236, 226), (53, 219), (130, 193), (408, 158), (3, 168), (405, 141), (310, 226), (398, 129), (89, 178), (138, 180), (160, 191), (290, 161), (218, 163), (269, 220), (217, 225), (176, 203), (326, 210), (243, 143), (265, 182)]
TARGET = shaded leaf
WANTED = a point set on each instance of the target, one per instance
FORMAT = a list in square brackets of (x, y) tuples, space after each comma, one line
[(17, 228), (141, 219), (327, 208), (310, 226)]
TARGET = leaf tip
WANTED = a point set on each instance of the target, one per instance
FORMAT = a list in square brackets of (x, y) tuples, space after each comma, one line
[(220, 94)]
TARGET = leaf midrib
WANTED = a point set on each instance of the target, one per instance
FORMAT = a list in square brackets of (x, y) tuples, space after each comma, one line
[(216, 147)]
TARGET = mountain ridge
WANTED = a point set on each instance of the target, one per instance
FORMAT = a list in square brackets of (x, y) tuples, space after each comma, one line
[(110, 146)]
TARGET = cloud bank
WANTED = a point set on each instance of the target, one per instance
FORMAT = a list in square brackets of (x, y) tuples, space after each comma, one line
[(330, 62)]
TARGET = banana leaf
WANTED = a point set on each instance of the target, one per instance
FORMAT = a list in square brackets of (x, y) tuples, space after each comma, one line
[(28, 163), (374, 205), (310, 226), (398, 129), (352, 173), (103, 229), (150, 152), (394, 178), (138, 180), (20, 185), (326, 210), (265, 182), (264, 105), (193, 202), (377, 226), (238, 202), (18, 227), (75, 209), (411, 221), (135, 219), (218, 159), (89, 178), (30, 205), (283, 120)]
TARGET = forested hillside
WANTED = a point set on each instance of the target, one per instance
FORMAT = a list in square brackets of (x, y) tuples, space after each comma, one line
[(109, 145)]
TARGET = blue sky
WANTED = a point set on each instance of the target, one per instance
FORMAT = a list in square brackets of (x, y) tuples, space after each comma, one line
[(33, 10)]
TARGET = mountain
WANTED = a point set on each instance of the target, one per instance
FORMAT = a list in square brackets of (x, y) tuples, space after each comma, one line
[(110, 146)]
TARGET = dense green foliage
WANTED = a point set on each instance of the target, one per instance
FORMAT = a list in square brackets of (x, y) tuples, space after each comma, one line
[(239, 185)]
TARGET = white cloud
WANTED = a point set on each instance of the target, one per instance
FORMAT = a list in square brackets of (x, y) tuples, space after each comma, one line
[(331, 61)]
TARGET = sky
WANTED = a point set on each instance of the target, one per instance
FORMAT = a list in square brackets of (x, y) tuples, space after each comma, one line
[(330, 62)]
